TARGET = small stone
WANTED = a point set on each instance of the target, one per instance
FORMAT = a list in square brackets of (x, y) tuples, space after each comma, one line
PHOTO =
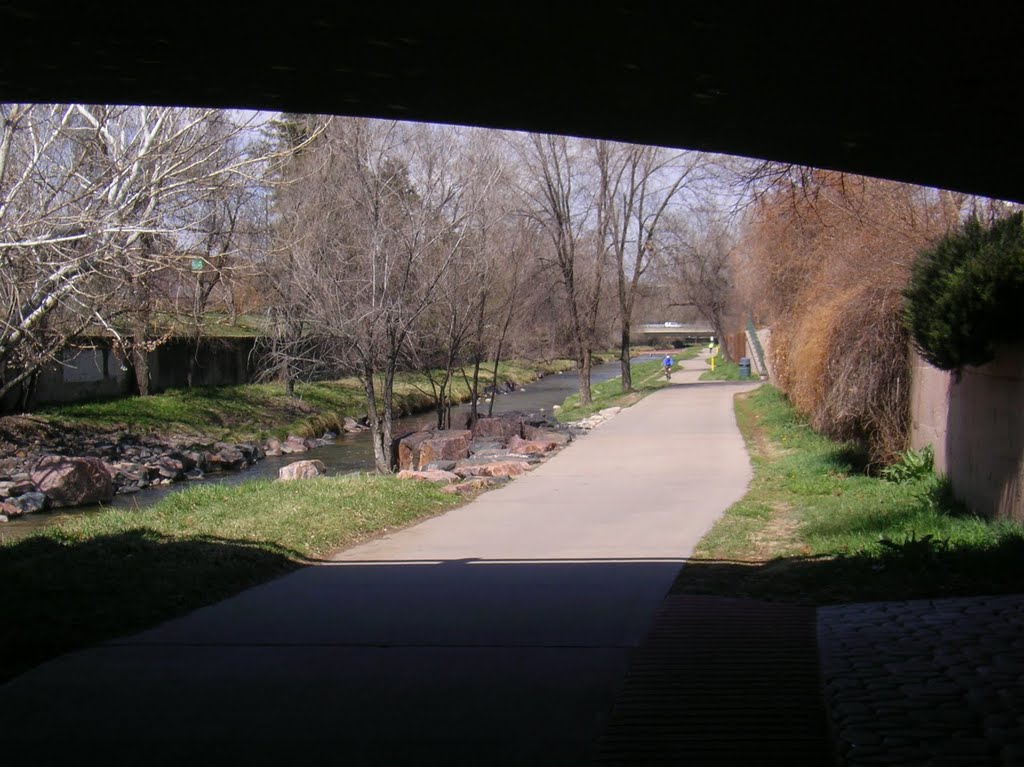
[(294, 444), (254, 453), (302, 470), (10, 510), (30, 503), (3, 518), (168, 468), (227, 458)]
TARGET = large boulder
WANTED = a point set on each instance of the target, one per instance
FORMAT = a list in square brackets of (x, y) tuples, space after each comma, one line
[(129, 477), (530, 447), (485, 446), (74, 481), (437, 477), (295, 444), (273, 447), (445, 446), (409, 449), (169, 467), (302, 470), (494, 469), (226, 458), (422, 448), (502, 427), (351, 425)]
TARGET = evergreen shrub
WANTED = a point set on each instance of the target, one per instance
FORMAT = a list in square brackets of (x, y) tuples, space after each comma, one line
[(965, 297)]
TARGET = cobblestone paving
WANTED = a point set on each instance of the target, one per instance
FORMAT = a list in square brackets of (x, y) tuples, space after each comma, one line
[(926, 682)]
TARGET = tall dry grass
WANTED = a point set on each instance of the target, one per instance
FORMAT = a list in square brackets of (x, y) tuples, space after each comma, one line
[(825, 258)]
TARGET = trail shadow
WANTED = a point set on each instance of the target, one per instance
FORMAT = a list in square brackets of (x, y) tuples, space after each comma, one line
[(912, 570), (61, 595), (515, 661), (853, 458)]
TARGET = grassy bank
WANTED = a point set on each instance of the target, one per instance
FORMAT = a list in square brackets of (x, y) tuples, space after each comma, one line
[(91, 578), (724, 371), (814, 527), (647, 377), (257, 411)]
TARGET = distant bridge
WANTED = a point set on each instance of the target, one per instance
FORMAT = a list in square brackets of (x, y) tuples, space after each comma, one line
[(657, 332)]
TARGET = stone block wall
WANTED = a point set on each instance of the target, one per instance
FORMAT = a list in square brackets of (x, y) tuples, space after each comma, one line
[(976, 427)]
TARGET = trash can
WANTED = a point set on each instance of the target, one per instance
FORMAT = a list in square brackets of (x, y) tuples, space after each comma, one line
[(744, 367)]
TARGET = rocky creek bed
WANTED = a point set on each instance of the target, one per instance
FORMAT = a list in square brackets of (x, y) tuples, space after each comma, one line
[(76, 469), (57, 470), (489, 452)]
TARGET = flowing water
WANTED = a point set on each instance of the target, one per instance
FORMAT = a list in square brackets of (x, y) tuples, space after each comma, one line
[(350, 453)]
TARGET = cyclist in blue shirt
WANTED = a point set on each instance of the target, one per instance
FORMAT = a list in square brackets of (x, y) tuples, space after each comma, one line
[(667, 363)]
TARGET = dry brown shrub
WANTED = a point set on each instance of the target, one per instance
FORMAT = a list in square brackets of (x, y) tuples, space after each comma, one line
[(865, 386), (826, 258), (815, 324)]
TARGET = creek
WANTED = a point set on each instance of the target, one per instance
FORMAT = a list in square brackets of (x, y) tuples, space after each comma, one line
[(349, 454)]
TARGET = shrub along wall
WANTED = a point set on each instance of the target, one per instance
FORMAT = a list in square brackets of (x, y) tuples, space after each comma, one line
[(825, 260)]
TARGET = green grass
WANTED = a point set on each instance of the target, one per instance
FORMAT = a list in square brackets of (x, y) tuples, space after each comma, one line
[(724, 371), (94, 577), (647, 377), (256, 411), (813, 527)]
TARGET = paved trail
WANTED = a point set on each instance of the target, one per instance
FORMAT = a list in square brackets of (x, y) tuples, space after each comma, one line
[(498, 633)]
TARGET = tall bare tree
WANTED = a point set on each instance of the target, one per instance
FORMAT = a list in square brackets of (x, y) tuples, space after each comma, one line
[(375, 230), (637, 184), (97, 203), (697, 252), (558, 186)]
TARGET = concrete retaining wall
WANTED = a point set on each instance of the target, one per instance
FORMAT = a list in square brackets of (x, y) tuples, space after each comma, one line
[(976, 427), (99, 373)]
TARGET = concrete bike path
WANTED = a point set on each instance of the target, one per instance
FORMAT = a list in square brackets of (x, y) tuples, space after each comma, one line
[(498, 633)]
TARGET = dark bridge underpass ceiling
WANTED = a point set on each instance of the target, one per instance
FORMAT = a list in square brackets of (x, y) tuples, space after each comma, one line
[(936, 99)]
